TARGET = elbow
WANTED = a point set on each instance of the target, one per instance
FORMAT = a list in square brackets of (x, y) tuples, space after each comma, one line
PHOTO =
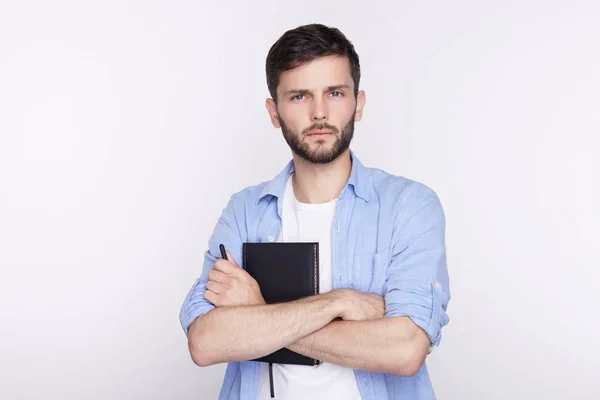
[(409, 369), (200, 357), (410, 361), (202, 361), (198, 346)]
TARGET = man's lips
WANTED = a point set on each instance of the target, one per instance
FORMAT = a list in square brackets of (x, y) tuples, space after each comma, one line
[(320, 133)]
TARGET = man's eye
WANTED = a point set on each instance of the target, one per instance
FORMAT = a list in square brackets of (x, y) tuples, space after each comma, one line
[(336, 94), (298, 97)]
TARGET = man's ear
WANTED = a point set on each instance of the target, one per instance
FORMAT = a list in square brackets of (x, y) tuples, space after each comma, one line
[(361, 99), (273, 114)]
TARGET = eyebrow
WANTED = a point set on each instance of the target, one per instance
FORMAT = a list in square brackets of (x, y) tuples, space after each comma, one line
[(328, 89), (337, 87)]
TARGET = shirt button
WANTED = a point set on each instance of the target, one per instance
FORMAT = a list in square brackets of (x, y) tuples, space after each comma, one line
[(437, 285), (270, 238)]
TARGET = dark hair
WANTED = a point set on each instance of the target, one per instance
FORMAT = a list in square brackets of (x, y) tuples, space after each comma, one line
[(305, 43)]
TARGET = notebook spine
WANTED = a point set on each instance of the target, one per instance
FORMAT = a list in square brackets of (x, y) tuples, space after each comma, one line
[(316, 282), (316, 269), (244, 251)]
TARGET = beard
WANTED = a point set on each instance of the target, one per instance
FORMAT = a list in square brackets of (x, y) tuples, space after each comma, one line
[(319, 154)]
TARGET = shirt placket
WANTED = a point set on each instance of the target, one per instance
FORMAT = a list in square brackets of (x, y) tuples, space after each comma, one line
[(337, 244)]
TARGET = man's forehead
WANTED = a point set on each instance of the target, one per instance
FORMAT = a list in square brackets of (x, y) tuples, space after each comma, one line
[(317, 74)]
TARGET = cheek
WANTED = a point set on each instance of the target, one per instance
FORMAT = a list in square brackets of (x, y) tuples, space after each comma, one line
[(295, 118), (342, 110)]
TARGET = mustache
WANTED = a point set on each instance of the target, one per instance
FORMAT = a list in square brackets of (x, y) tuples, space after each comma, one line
[(320, 126)]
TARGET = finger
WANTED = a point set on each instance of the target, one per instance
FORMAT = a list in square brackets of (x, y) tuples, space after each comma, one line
[(217, 276), (211, 296), (230, 259), (225, 266), (215, 287)]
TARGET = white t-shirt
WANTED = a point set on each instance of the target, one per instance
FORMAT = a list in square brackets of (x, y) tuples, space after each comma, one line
[(309, 223)]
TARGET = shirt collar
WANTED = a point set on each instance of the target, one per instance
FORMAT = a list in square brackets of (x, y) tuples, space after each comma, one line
[(359, 180)]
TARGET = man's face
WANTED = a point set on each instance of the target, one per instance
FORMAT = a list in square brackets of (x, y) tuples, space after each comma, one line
[(316, 108)]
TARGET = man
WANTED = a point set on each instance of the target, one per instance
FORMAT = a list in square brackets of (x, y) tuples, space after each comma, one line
[(381, 240)]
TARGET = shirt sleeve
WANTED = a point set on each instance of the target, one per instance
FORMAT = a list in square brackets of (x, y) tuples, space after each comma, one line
[(226, 232), (417, 283)]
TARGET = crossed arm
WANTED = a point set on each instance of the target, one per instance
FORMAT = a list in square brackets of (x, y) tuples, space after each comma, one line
[(243, 327), (390, 345), (371, 336)]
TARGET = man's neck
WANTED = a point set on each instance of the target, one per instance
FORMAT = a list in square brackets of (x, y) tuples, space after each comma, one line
[(320, 183)]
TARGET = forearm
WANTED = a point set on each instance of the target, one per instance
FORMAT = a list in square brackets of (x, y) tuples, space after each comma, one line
[(385, 345), (246, 332)]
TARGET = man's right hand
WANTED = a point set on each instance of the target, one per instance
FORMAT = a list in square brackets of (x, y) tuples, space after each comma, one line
[(359, 306)]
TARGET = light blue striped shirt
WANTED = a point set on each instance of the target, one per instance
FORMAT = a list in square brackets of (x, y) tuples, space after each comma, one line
[(388, 238)]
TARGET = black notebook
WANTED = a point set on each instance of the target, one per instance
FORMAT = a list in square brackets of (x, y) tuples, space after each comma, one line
[(285, 272)]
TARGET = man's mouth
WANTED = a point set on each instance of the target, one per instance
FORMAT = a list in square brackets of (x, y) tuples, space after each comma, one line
[(319, 133)]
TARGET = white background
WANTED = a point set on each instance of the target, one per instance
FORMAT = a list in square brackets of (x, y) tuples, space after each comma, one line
[(126, 126)]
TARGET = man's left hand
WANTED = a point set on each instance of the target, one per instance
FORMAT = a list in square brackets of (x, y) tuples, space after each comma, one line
[(230, 285)]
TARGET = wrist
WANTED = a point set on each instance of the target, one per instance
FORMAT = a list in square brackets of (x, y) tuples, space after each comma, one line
[(339, 301)]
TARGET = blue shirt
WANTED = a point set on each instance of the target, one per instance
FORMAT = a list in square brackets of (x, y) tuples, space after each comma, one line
[(388, 238)]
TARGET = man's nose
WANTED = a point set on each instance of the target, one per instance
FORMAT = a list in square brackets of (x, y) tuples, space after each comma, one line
[(319, 111)]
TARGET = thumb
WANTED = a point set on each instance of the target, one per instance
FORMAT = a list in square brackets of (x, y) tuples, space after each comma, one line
[(229, 258)]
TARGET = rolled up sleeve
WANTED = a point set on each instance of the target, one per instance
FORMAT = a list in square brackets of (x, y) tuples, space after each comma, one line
[(417, 283), (226, 232)]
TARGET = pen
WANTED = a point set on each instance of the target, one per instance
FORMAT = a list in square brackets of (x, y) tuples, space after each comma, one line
[(223, 253)]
